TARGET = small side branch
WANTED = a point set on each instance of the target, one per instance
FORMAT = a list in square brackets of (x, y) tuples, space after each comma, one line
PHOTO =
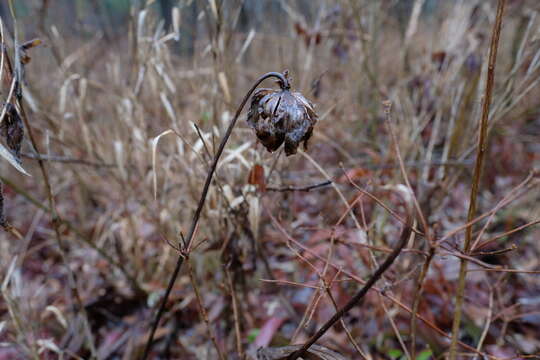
[(300, 188), (405, 234)]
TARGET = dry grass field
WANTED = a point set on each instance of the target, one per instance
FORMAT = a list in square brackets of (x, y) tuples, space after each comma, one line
[(123, 122)]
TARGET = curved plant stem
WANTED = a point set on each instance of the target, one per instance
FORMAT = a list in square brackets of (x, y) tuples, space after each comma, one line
[(284, 83), (480, 155)]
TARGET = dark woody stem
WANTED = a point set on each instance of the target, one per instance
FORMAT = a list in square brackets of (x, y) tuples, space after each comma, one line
[(356, 299), (284, 84)]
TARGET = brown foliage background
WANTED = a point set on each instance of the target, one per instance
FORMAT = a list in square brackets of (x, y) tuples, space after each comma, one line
[(127, 113)]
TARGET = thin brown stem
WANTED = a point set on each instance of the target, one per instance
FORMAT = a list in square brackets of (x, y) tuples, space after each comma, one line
[(355, 300), (236, 315), (359, 280), (66, 159), (284, 83), (300, 188), (203, 313), (387, 109), (480, 155), (16, 71), (380, 202), (347, 331), (418, 297), (508, 233)]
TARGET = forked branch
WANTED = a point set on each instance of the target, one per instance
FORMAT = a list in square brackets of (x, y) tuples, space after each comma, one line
[(405, 234)]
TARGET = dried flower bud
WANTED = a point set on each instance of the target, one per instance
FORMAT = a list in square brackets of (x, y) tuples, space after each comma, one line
[(281, 116), (12, 130)]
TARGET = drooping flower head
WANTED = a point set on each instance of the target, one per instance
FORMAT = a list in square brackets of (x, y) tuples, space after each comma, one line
[(281, 116)]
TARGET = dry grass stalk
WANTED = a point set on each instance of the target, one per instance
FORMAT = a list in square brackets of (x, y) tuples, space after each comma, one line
[(480, 156)]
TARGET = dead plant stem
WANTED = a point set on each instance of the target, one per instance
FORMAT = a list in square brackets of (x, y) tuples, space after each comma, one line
[(78, 308), (355, 300), (203, 313), (418, 297), (480, 155), (236, 315), (198, 211)]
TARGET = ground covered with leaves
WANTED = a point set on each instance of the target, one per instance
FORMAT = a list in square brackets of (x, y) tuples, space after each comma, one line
[(118, 128)]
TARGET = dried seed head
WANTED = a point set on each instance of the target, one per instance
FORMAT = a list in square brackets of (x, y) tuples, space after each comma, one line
[(12, 130), (281, 116)]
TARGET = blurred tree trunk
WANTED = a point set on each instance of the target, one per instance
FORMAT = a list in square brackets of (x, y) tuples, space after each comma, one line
[(5, 14), (103, 19), (188, 28), (166, 11), (308, 8)]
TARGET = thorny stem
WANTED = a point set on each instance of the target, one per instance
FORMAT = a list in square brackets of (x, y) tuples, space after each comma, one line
[(405, 234), (284, 84), (480, 154)]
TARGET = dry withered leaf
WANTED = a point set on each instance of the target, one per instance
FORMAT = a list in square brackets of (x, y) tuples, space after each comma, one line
[(256, 177), (315, 352), (25, 59), (281, 116), (12, 130)]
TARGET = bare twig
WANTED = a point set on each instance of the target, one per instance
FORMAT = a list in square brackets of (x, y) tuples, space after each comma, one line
[(508, 233), (490, 219), (418, 297), (480, 155), (202, 310), (78, 309), (488, 323), (234, 300), (300, 188), (65, 159), (347, 331), (359, 280), (511, 196), (378, 201), (395, 328), (363, 291), (387, 109)]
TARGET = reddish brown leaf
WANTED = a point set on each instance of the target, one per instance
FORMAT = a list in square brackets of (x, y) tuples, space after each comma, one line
[(354, 174), (268, 330), (256, 177)]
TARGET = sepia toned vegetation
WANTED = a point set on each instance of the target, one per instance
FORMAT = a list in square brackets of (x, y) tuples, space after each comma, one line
[(142, 220)]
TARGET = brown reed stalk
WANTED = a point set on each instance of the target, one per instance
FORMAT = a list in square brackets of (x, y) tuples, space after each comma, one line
[(480, 157)]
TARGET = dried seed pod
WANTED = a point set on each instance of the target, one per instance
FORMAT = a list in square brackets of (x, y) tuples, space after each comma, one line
[(25, 59), (281, 116), (13, 130)]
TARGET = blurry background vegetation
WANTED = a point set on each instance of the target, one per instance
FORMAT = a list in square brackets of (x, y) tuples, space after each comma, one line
[(84, 18), (109, 79)]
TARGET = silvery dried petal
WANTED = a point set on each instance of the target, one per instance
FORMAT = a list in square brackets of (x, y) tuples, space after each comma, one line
[(281, 117)]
